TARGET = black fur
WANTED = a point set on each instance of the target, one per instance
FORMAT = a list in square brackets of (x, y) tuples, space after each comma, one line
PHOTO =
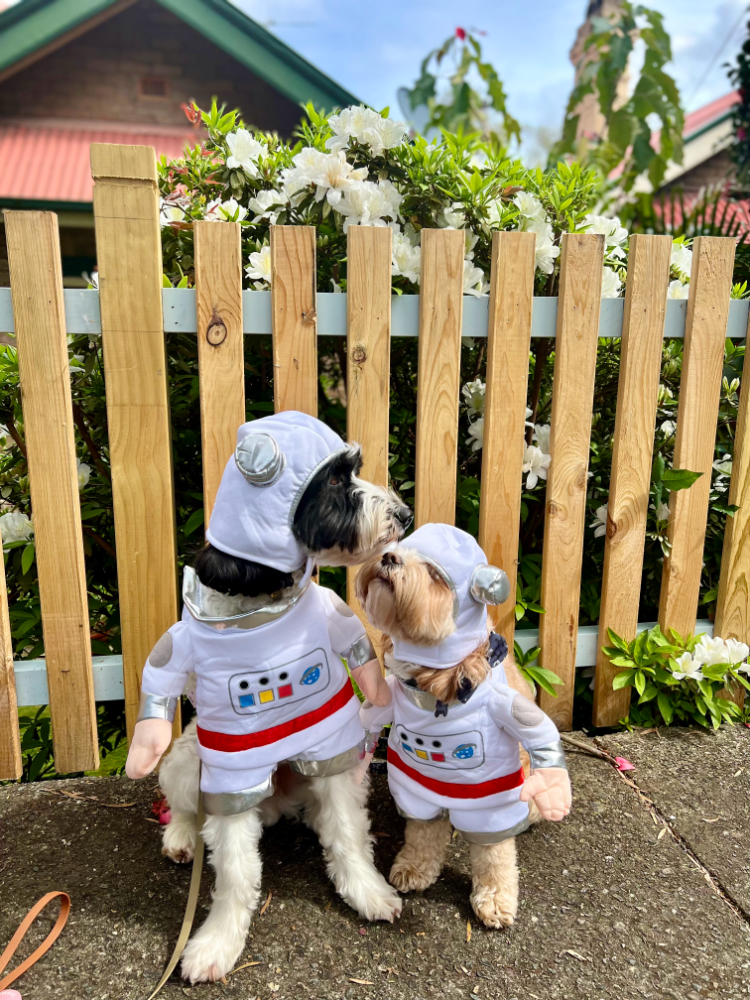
[(326, 517), (230, 575)]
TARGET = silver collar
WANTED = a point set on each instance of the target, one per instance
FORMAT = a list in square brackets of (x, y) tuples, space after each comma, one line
[(193, 592), (422, 699)]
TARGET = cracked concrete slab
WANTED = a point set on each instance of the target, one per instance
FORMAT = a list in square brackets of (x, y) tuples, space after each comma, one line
[(701, 782), (609, 909)]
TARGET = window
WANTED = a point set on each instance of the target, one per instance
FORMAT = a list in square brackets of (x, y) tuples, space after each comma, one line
[(153, 87)]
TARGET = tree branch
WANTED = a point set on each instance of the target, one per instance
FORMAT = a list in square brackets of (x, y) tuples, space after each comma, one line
[(96, 457), (101, 542), (13, 431)]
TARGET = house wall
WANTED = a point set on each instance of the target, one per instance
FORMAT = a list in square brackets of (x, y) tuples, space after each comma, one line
[(718, 169), (96, 76)]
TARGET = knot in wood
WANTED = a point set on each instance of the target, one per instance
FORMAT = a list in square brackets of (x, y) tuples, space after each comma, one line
[(359, 355), (217, 331), (309, 315)]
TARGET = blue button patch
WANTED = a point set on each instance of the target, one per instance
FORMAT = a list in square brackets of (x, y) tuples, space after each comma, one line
[(311, 675), (465, 751), (246, 700)]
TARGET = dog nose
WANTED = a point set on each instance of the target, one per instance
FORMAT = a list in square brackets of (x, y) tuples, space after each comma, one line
[(404, 517), (391, 559)]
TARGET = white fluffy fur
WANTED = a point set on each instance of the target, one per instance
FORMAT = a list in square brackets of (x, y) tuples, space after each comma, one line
[(335, 808)]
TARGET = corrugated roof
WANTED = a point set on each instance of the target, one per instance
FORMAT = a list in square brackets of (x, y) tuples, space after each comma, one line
[(709, 114), (50, 162)]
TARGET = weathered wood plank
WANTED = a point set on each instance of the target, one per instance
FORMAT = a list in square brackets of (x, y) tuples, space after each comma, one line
[(439, 362), (572, 402), (38, 307), (368, 353), (697, 414), (509, 339), (128, 242), (295, 324), (637, 394), (218, 284)]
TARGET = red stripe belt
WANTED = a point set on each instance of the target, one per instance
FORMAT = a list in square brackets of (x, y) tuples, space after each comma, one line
[(456, 791), (230, 743)]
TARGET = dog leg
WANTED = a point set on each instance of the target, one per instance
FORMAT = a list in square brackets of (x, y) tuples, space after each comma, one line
[(421, 859), (494, 879), (178, 778), (233, 845), (337, 812)]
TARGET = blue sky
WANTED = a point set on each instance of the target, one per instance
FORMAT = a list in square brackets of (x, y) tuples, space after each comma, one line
[(376, 48)]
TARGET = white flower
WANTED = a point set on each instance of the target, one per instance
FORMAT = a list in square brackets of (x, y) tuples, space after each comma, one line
[(473, 393), (452, 217), (245, 151), (6, 441), (476, 435), (529, 206), (367, 204), (383, 133), (268, 205), (688, 668), (536, 463), (614, 234), (600, 521), (736, 651), (84, 474), (662, 511), (724, 467), (611, 283), (259, 268), (681, 259), (15, 527), (329, 172), (406, 258), (171, 212), (642, 184), (529, 411), (232, 211), (474, 280), (677, 290), (541, 435), (668, 427), (710, 650)]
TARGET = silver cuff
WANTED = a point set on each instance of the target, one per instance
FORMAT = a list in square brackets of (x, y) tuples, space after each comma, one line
[(156, 706), (233, 803), (550, 755), (494, 838), (359, 653)]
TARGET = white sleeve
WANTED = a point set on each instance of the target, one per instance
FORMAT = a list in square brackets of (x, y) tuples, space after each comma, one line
[(374, 717), (168, 664), (521, 717), (346, 632)]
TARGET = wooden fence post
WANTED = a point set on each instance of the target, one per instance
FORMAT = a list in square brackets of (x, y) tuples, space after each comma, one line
[(39, 313), (11, 763), (697, 415), (572, 402), (368, 355), (295, 322), (509, 339), (128, 244), (221, 365), (438, 374), (637, 396)]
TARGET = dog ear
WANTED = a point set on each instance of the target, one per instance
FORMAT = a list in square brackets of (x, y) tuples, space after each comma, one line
[(365, 576), (456, 683)]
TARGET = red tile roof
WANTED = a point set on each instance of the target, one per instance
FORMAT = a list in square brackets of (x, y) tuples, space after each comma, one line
[(49, 161), (709, 113)]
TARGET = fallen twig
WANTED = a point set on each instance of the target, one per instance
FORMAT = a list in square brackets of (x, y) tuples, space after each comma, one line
[(90, 798), (266, 904), (241, 967)]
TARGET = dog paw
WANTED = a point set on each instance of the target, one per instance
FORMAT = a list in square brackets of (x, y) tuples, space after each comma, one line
[(178, 841), (376, 901), (407, 876), (494, 908), (209, 956)]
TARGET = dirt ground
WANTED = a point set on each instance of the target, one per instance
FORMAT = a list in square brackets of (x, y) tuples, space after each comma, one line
[(634, 895)]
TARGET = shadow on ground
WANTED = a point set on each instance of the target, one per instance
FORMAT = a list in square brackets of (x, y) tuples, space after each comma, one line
[(613, 905)]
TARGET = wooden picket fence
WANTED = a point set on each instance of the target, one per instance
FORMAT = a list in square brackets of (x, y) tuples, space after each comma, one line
[(126, 205)]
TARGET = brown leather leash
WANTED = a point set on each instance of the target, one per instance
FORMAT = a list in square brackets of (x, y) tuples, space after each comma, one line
[(192, 902), (44, 947)]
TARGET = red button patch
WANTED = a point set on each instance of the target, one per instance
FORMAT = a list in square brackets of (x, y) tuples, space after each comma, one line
[(285, 691), (439, 756)]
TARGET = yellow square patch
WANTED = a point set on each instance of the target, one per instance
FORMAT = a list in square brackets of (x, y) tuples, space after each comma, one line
[(265, 696), (422, 754)]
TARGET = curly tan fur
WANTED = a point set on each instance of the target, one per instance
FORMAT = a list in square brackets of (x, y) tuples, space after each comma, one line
[(421, 859), (494, 881)]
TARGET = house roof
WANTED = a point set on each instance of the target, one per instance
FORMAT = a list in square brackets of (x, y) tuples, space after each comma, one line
[(27, 149), (706, 132), (709, 115), (33, 28)]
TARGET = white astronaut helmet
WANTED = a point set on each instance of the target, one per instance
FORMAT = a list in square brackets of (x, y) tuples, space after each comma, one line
[(475, 584), (275, 459)]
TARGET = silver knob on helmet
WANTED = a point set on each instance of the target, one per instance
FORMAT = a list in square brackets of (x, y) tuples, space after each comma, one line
[(489, 585), (259, 459)]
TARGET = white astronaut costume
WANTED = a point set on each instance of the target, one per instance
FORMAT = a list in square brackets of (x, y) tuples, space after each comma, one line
[(462, 758), (271, 685)]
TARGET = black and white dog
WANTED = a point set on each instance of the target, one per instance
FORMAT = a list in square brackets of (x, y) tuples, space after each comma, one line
[(340, 520)]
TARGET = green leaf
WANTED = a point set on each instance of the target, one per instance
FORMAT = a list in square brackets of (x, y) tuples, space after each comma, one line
[(665, 707), (623, 679), (640, 682), (616, 640), (546, 679), (679, 479), (194, 521), (27, 558)]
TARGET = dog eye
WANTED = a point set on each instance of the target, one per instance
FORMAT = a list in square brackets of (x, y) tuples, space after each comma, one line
[(333, 481)]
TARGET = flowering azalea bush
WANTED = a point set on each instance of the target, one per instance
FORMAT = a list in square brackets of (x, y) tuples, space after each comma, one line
[(682, 680)]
